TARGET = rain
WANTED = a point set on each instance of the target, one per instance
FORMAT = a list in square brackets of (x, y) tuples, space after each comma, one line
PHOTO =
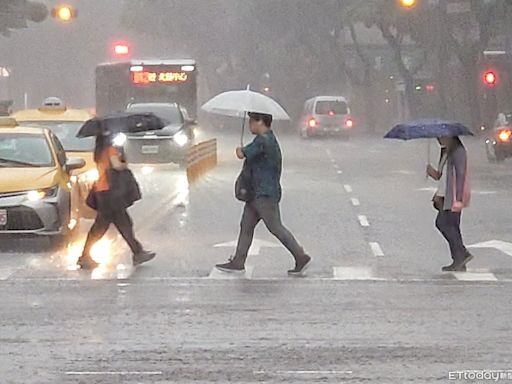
[(255, 191)]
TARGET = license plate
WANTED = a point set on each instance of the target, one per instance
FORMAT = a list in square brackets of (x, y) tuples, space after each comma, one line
[(150, 149), (3, 217)]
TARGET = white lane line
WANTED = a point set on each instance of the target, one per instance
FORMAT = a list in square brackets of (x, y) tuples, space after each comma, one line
[(363, 220), (376, 249), (219, 275), (339, 172), (355, 202), (5, 273), (114, 373), (303, 373), (348, 188), (472, 276), (353, 273)]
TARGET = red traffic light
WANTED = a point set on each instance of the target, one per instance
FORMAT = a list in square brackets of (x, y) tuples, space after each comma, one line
[(490, 78), (122, 49)]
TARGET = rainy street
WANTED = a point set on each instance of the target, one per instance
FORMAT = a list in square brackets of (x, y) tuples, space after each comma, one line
[(141, 140), (373, 307)]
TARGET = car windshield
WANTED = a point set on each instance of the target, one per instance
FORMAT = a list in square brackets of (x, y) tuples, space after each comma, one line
[(171, 114), (66, 132), (329, 107), (17, 150)]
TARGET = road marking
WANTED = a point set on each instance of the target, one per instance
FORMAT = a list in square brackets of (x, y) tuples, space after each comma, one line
[(215, 274), (114, 373), (5, 273), (255, 246), (353, 273), (474, 192), (502, 246), (363, 220), (348, 188), (471, 276), (339, 172), (355, 202), (303, 373), (376, 249)]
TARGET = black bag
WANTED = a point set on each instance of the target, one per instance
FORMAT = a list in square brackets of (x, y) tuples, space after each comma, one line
[(124, 189), (243, 184), (438, 203), (91, 200)]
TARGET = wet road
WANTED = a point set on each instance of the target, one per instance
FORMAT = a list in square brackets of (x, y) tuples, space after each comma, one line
[(374, 306)]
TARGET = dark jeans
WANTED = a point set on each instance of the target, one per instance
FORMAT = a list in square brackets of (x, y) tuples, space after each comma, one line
[(111, 215), (268, 211), (448, 223)]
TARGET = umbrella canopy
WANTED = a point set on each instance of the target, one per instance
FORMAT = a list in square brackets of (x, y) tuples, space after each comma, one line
[(428, 129), (238, 103), (121, 122)]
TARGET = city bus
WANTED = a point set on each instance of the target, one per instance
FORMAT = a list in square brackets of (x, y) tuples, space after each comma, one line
[(146, 81)]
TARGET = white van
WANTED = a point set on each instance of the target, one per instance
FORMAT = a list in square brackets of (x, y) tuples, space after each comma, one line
[(326, 115)]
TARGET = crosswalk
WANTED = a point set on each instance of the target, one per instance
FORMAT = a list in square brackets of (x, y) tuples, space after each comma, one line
[(336, 273)]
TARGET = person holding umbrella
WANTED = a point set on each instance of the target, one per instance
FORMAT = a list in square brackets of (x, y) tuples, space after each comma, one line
[(264, 163), (116, 189), (453, 193), (451, 198)]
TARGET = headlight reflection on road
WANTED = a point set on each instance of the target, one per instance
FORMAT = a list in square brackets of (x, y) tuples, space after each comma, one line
[(182, 188)]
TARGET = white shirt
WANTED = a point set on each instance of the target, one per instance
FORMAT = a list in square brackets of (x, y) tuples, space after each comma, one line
[(441, 186)]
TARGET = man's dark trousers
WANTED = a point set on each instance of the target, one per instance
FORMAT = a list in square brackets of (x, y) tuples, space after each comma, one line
[(265, 209)]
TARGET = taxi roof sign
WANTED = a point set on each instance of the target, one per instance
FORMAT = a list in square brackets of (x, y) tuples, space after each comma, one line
[(8, 122), (53, 104)]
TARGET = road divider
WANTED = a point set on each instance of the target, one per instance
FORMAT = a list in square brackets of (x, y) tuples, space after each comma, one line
[(201, 158)]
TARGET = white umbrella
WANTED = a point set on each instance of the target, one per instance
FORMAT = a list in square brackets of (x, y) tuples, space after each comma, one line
[(238, 103)]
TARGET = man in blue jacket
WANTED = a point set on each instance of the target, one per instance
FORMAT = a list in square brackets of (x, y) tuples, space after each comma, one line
[(265, 163)]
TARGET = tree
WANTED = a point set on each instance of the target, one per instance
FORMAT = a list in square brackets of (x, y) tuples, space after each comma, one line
[(15, 14)]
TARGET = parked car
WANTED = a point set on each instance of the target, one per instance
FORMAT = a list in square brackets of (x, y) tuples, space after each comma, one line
[(499, 145)]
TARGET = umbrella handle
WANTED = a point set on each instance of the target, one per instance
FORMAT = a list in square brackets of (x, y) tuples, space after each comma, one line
[(243, 129)]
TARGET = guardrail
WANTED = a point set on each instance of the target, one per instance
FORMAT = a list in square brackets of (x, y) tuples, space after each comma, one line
[(201, 158)]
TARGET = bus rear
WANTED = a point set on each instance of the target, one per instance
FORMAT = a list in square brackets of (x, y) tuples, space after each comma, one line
[(163, 81)]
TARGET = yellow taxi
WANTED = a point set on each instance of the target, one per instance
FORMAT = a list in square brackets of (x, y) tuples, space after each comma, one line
[(65, 122), (35, 183)]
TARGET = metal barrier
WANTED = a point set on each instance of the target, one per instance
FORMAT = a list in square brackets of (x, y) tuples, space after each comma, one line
[(201, 158)]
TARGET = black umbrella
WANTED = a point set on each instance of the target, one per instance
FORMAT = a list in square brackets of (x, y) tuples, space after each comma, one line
[(121, 122)]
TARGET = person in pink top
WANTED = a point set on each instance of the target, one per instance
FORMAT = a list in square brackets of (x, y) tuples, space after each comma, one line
[(452, 196)]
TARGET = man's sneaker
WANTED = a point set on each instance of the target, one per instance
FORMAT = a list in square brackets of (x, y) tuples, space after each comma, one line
[(300, 266), (454, 267), (87, 263), (467, 258), (231, 267), (143, 257)]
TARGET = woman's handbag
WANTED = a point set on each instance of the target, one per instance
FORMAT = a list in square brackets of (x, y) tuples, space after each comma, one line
[(91, 200), (438, 203), (243, 184)]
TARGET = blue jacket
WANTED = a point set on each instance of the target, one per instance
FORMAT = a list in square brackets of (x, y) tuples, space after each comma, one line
[(265, 162)]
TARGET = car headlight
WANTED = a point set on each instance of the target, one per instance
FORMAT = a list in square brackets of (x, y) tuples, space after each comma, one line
[(119, 140), (41, 194), (89, 177), (181, 139)]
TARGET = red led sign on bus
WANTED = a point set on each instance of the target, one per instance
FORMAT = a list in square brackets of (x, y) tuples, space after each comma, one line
[(148, 77)]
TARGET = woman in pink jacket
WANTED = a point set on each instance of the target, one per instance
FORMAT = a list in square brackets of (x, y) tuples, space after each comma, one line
[(452, 196)]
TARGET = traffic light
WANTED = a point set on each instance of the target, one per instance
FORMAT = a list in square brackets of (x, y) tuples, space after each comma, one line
[(407, 3), (122, 49), (490, 78), (64, 13)]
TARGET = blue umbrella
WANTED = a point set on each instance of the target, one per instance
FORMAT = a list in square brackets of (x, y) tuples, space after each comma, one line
[(428, 129)]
